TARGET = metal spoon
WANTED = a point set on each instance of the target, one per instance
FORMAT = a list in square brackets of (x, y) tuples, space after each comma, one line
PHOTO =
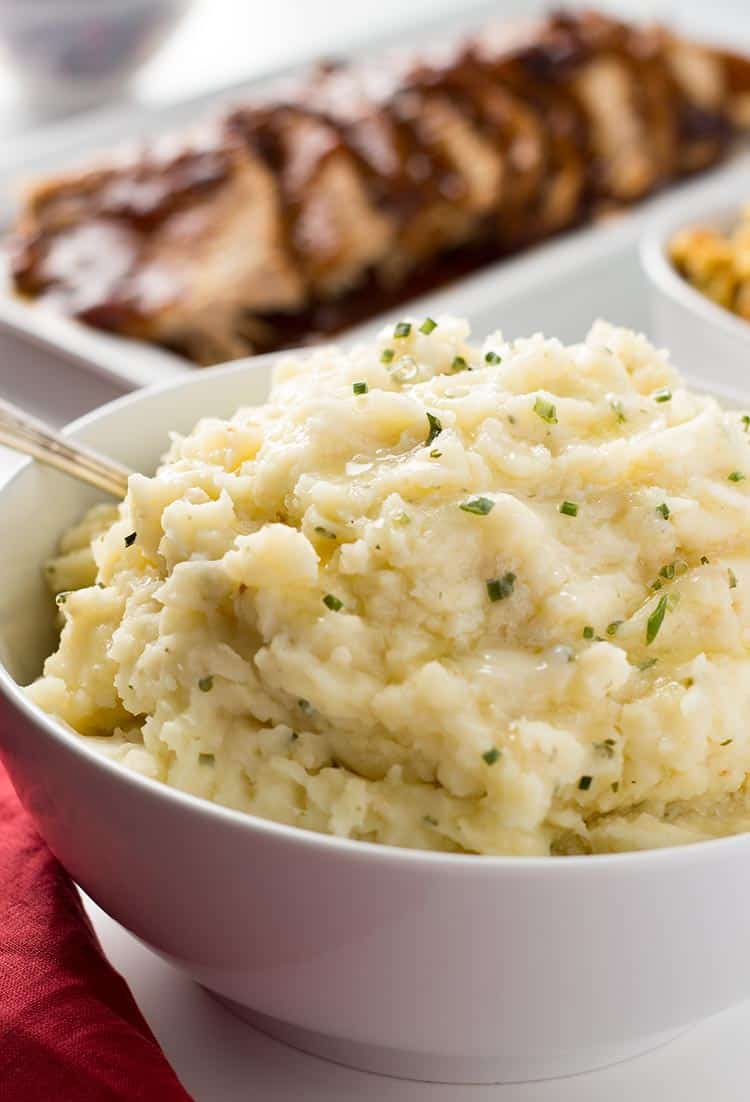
[(24, 433)]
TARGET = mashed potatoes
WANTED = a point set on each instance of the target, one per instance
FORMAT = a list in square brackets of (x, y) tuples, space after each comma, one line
[(489, 600)]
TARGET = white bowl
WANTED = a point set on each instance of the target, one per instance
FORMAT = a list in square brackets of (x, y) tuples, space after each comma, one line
[(705, 340), (432, 966)]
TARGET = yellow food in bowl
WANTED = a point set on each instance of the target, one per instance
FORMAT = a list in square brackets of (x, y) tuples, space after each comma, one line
[(489, 600), (716, 262)]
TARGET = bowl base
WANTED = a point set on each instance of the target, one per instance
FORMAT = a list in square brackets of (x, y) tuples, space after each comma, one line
[(432, 1067)]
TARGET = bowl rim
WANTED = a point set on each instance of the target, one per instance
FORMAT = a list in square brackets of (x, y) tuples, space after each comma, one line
[(332, 845), (663, 275)]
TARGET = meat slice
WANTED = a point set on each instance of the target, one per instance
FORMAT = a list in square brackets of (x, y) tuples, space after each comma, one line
[(163, 249), (333, 228)]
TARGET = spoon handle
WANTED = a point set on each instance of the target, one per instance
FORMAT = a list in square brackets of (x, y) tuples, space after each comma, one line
[(24, 433)]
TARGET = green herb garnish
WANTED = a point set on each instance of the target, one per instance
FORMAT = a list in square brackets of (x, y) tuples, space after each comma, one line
[(61, 598), (736, 476), (585, 783), (130, 540), (726, 742), (435, 428), (569, 509), (329, 535), (647, 664), (491, 756), (617, 408), (403, 329), (435, 454), (481, 506), (607, 747), (545, 410), (206, 684), (492, 358), (430, 820), (746, 421), (459, 364), (704, 560), (206, 759), (427, 326), (500, 588), (655, 620), (359, 388), (386, 356), (402, 519), (667, 571), (588, 632), (663, 509), (333, 603), (664, 395), (304, 706), (612, 628), (732, 578)]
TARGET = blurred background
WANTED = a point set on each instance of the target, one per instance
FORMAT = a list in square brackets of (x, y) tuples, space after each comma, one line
[(63, 56)]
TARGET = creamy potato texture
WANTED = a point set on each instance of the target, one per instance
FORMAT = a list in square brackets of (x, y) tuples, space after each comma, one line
[(491, 600)]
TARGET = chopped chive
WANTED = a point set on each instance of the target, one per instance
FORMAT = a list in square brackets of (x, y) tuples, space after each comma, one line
[(435, 428), (206, 684), (664, 395), (732, 578), (430, 820), (206, 759), (329, 535), (130, 540), (459, 364), (304, 706), (607, 747), (655, 620), (647, 664), (403, 329), (657, 583), (435, 454), (545, 410), (617, 408), (427, 326), (386, 356), (704, 560), (746, 421), (663, 509), (293, 737), (569, 509), (481, 506), (736, 476), (726, 742), (61, 598), (500, 588), (491, 756), (588, 632), (492, 358), (612, 628), (402, 519), (667, 571), (359, 388), (615, 786), (585, 783), (333, 603)]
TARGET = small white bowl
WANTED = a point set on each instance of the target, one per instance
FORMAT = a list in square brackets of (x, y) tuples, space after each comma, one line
[(706, 341), (432, 966)]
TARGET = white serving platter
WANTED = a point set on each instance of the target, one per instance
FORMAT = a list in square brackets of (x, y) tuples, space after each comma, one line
[(560, 287)]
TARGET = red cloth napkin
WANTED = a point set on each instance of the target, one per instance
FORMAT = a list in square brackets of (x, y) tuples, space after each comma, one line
[(70, 1030)]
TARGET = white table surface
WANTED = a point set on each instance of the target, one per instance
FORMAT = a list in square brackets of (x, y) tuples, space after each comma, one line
[(222, 1059), (218, 1057)]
